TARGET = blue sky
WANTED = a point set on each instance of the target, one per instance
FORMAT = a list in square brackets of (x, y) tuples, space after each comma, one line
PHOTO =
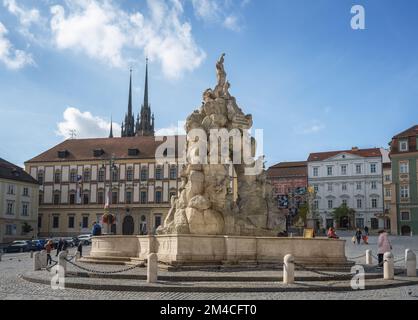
[(311, 82)]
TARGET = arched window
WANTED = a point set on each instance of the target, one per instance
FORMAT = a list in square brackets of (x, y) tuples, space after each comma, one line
[(158, 196), (102, 173), (173, 173), (158, 173), (144, 174), (57, 176), (73, 175), (115, 174), (86, 175), (57, 197)]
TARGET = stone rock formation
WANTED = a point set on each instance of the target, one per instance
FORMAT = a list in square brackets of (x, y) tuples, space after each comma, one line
[(205, 204)]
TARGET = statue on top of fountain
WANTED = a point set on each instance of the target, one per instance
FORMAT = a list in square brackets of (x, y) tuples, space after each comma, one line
[(220, 197)]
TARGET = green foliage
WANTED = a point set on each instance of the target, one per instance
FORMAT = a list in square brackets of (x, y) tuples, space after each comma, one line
[(26, 228), (343, 211)]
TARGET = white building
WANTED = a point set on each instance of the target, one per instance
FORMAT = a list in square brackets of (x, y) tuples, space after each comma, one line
[(352, 177)]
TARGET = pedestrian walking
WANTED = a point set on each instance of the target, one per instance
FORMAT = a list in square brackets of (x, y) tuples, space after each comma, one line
[(80, 248), (48, 247), (383, 246), (366, 230), (60, 245), (358, 235)]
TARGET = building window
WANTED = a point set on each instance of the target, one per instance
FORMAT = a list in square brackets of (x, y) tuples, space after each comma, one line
[(405, 216), (374, 203), (158, 173), (128, 197), (25, 209), (129, 174), (329, 186), (55, 222), (114, 197), (315, 171), (344, 186), (26, 192), (41, 198), (373, 168), (10, 189), (102, 175), (173, 173), (100, 197), (387, 178), (344, 169), (330, 204), (41, 177), (358, 168), (403, 145), (374, 185), (157, 221), (57, 176), (359, 204), (71, 220), (72, 198), (387, 192), (11, 229), (158, 197), (358, 185), (85, 198), (143, 197), (344, 202), (404, 192), (115, 174), (316, 188), (329, 170), (144, 174), (10, 207), (404, 167), (73, 176), (85, 222), (39, 222), (57, 198), (316, 205), (360, 223), (86, 175)]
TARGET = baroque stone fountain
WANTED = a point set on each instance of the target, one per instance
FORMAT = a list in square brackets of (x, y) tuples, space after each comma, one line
[(225, 213)]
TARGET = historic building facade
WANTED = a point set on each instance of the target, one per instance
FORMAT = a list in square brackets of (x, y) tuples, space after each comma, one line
[(352, 177), (404, 158), (79, 177), (289, 181), (18, 203), (390, 222)]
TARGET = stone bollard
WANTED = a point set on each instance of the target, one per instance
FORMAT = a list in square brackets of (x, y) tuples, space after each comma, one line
[(77, 256), (31, 254), (37, 261), (43, 259), (62, 263), (288, 269), (152, 268), (1, 253), (410, 263), (369, 258), (388, 266)]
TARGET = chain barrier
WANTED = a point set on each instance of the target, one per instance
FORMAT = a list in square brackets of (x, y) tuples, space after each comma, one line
[(358, 257), (103, 272), (48, 268), (331, 275)]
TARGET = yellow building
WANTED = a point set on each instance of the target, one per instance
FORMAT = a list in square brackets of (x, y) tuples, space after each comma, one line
[(18, 203), (79, 176)]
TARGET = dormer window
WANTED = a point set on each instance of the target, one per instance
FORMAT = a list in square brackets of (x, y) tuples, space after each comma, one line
[(62, 154), (403, 145), (133, 152), (98, 152)]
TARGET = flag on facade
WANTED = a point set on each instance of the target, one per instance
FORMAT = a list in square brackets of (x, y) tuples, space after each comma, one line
[(79, 191)]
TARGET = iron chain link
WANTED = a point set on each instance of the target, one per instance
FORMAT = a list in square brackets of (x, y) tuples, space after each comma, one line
[(103, 272)]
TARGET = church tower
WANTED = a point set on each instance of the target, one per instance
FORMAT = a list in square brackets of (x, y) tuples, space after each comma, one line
[(145, 121), (128, 127)]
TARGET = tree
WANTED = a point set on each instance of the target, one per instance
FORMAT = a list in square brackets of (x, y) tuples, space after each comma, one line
[(343, 211), (26, 228)]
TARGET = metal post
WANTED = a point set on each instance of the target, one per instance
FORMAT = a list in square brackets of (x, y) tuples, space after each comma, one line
[(369, 258), (388, 266), (410, 263), (288, 269)]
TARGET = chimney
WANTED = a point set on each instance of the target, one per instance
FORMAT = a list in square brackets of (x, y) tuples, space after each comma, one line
[(354, 149)]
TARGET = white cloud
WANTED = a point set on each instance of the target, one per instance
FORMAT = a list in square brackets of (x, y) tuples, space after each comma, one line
[(13, 58), (102, 30), (206, 9), (313, 127), (85, 125), (26, 16), (231, 22), (172, 130)]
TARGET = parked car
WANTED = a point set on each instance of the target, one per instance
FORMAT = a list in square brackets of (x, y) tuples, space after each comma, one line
[(85, 239), (70, 242), (19, 246)]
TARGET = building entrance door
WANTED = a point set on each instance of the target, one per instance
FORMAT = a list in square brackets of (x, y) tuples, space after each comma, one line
[(128, 226)]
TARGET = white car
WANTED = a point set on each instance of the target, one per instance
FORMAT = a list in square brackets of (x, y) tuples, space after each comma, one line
[(85, 239)]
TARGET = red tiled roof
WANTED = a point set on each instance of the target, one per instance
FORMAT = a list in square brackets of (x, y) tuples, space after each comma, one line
[(413, 131), (288, 169), (13, 172), (367, 153), (83, 149)]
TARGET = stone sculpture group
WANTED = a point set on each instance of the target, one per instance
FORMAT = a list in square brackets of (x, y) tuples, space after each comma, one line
[(205, 204)]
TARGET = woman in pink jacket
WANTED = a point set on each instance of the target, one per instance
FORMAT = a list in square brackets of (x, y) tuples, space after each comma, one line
[(383, 246)]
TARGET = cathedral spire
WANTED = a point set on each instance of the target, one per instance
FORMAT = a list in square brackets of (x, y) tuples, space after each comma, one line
[(146, 86), (130, 95), (111, 128)]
